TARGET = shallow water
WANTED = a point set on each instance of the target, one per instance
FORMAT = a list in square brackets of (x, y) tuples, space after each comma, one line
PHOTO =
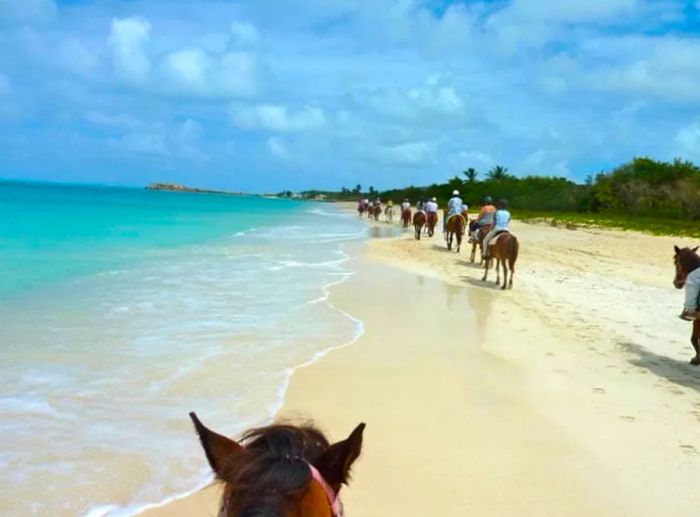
[(206, 303)]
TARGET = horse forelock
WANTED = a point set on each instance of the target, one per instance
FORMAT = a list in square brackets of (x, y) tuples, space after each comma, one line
[(274, 474)]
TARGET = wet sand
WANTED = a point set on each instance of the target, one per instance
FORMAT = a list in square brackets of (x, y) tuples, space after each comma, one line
[(569, 395)]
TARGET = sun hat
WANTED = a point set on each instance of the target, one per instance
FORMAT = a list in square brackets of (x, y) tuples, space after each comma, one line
[(455, 192), (434, 199)]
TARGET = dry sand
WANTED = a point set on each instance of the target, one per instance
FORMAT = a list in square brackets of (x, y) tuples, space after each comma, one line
[(569, 395)]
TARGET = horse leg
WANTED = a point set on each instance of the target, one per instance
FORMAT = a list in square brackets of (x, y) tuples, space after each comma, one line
[(695, 341), (459, 241), (449, 240), (486, 270), (505, 273), (498, 270)]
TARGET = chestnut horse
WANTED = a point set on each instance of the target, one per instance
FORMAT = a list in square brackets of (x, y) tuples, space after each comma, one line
[(483, 232), (505, 251), (418, 223), (430, 221), (455, 228), (280, 470), (406, 218), (376, 212), (686, 260)]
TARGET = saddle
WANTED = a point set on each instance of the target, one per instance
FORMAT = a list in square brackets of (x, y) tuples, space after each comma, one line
[(497, 236)]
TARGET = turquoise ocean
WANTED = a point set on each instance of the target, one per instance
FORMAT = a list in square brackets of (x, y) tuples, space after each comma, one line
[(123, 309)]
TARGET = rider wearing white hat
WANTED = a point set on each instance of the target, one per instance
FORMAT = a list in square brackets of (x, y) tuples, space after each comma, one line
[(431, 206), (454, 206)]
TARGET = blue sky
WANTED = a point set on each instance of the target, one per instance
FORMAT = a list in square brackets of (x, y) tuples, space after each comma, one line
[(291, 94)]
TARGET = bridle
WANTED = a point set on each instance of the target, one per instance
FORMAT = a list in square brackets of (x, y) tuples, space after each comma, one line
[(333, 497)]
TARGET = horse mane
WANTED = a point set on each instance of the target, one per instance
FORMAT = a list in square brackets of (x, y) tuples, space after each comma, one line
[(689, 260), (274, 472)]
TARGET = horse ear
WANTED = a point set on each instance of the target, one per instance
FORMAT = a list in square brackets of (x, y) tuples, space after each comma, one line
[(334, 464), (677, 249), (218, 448)]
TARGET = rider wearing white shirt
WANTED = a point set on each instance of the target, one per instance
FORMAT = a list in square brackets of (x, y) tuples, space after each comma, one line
[(406, 204), (454, 207), (431, 207)]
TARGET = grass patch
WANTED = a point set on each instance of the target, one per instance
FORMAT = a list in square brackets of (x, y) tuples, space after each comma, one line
[(652, 225)]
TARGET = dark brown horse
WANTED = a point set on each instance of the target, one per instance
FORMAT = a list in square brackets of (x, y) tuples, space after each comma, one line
[(455, 228), (483, 231), (686, 261), (376, 212), (505, 251), (280, 470), (361, 209), (418, 222), (431, 221), (406, 218)]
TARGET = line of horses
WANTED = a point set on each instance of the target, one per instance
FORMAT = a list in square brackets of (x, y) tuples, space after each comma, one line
[(504, 249)]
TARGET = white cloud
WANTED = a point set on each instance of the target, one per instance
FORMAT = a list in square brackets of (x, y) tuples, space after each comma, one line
[(276, 147), (189, 67), (244, 33), (476, 159), (277, 118), (409, 154), (127, 39), (27, 12)]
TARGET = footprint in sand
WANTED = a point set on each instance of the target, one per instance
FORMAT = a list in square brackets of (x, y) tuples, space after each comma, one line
[(599, 390), (677, 391), (628, 418), (688, 449)]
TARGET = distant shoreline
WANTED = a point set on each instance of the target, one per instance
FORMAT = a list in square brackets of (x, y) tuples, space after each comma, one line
[(175, 187)]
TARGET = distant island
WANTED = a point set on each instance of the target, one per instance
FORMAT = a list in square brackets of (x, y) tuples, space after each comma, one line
[(175, 187)]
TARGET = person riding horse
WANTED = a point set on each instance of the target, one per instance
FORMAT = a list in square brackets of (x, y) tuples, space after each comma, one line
[(484, 219), (455, 206), (501, 219)]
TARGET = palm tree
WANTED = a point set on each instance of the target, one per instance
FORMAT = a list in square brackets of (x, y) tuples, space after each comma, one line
[(498, 173), (471, 174)]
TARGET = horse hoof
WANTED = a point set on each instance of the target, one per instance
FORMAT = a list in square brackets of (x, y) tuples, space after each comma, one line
[(695, 361)]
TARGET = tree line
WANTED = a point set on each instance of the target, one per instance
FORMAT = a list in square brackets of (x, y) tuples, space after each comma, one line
[(643, 187)]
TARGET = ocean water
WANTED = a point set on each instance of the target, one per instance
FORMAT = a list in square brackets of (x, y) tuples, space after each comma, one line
[(123, 309)]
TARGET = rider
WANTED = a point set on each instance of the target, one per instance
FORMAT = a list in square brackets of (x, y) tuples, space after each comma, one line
[(405, 205), (454, 207), (431, 207), (485, 217), (501, 218), (420, 206)]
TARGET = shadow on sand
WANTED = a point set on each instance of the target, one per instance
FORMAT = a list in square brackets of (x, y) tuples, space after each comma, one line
[(677, 372)]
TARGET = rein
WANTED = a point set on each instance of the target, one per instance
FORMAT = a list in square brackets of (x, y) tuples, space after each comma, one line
[(333, 498)]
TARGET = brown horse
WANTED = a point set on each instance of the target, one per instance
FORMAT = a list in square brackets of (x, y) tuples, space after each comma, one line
[(360, 209), (406, 218), (505, 251), (280, 470), (686, 260), (376, 212), (455, 228), (431, 221), (483, 231), (418, 223)]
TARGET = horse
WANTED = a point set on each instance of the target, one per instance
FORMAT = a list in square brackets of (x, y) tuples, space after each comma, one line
[(406, 218), (360, 209), (505, 251), (483, 232), (418, 222), (389, 213), (376, 212), (430, 222), (686, 260), (280, 469), (455, 228)]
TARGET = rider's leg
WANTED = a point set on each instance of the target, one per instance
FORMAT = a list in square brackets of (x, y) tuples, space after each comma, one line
[(692, 290), (487, 240)]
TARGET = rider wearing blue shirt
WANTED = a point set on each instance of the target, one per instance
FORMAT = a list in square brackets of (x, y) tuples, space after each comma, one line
[(501, 221)]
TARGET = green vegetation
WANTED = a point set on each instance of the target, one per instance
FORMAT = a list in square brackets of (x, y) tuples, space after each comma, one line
[(644, 195)]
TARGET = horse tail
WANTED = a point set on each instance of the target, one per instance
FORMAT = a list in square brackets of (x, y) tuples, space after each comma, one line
[(513, 255)]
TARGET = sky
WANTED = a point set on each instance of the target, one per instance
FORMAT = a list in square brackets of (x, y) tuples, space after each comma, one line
[(269, 95)]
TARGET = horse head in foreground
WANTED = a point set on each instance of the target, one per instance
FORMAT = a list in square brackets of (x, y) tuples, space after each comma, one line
[(686, 261), (280, 470)]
